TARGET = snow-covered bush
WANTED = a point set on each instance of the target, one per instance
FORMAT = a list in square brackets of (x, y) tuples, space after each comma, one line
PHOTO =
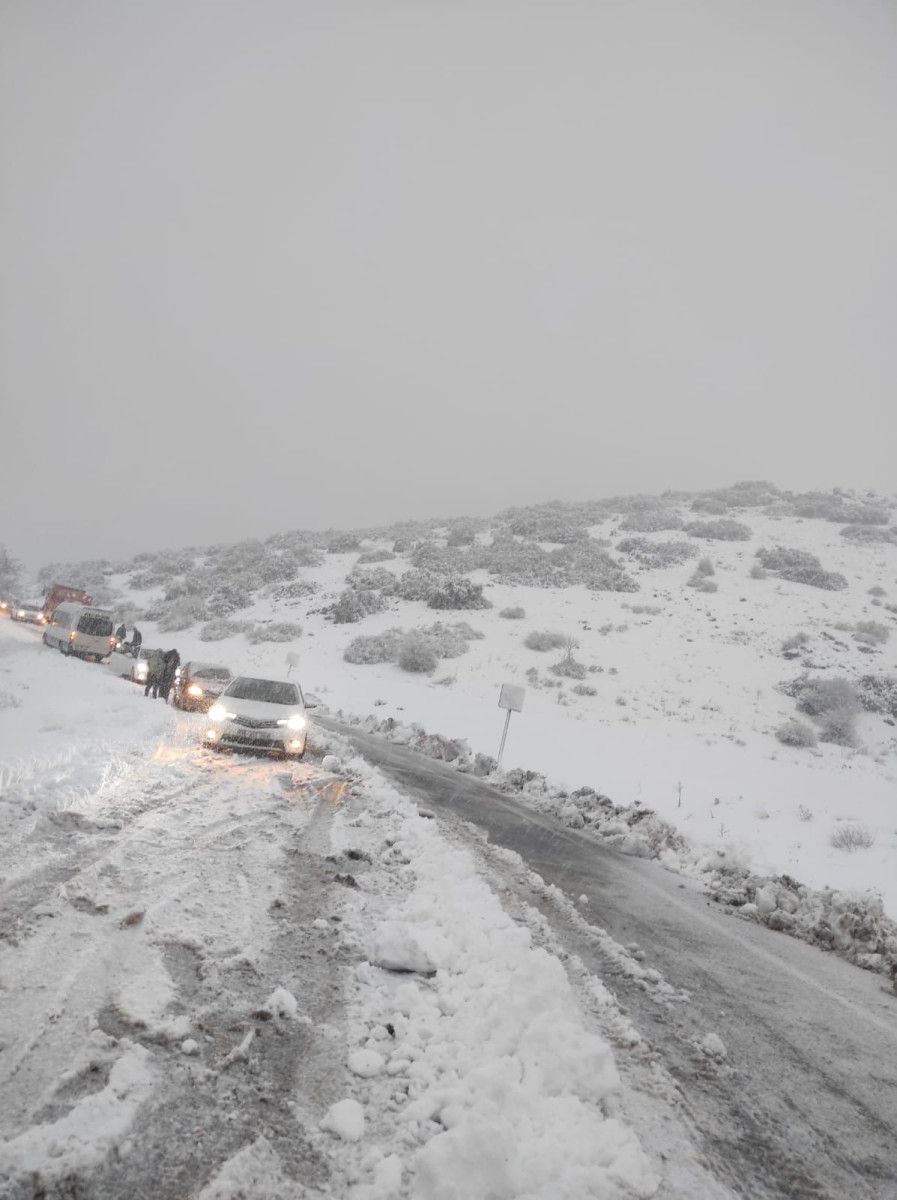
[(873, 633), (513, 613), (724, 530), (791, 646), (705, 567), (273, 631), (709, 505), (375, 556), (583, 689), (651, 520), (220, 628), (355, 603), (569, 667), (796, 733), (861, 514), (544, 640), (877, 590), (656, 555), (381, 647), (298, 589), (878, 693), (870, 534), (343, 543), (417, 654), (799, 566), (458, 593), (182, 613), (451, 640), (758, 572), (852, 836), (418, 584), (832, 703)]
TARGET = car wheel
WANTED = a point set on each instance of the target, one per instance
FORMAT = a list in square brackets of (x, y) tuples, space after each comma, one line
[(64, 648), (44, 639)]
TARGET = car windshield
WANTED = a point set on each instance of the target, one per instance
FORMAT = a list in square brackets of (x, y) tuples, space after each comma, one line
[(95, 624), (270, 690), (217, 674)]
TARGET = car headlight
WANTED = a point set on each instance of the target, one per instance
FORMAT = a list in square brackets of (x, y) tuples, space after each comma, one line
[(20, 613), (296, 721), (194, 690), (219, 713)]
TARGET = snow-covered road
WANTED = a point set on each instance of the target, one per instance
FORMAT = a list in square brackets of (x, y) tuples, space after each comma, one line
[(803, 1103)]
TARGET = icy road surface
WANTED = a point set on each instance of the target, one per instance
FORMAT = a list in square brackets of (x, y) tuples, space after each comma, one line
[(803, 1104)]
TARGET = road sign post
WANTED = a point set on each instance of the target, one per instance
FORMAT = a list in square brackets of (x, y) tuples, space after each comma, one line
[(511, 698)]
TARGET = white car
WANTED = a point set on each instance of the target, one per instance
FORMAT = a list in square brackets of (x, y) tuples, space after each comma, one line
[(259, 714), (128, 666)]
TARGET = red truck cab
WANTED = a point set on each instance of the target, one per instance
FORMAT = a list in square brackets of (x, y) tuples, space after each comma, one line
[(59, 593)]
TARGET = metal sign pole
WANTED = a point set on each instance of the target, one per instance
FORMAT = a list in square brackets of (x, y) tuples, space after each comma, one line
[(510, 698), (501, 748)]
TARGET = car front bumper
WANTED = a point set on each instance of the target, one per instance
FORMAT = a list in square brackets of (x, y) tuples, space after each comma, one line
[(231, 736)]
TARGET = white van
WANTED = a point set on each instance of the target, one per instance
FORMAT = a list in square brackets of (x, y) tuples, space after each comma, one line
[(78, 629)]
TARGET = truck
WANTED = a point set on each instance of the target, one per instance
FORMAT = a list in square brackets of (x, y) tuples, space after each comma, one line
[(59, 593)]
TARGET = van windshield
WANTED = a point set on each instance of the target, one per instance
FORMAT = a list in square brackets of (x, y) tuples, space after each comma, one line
[(96, 625)]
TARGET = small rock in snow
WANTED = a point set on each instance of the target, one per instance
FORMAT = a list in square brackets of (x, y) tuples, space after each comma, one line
[(583, 899), (321, 923), (330, 762), (345, 1120), (188, 1046), (765, 900), (283, 1004)]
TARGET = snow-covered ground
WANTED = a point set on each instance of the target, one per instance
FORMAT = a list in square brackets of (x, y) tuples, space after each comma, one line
[(401, 1029), (686, 705)]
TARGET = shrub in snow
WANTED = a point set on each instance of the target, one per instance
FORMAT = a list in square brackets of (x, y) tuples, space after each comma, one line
[(418, 584), (182, 613), (513, 613), (877, 591), (878, 693), (375, 556), (852, 836), (702, 583), (861, 514), (791, 645), (799, 566), (722, 531), (839, 728), (416, 654), (569, 667), (220, 628), (343, 543), (796, 733), (870, 534), (451, 640), (355, 603), (273, 631), (650, 520), (757, 572), (458, 593), (705, 567), (382, 647), (583, 689), (544, 640), (873, 633), (709, 505), (833, 703), (298, 589), (656, 555)]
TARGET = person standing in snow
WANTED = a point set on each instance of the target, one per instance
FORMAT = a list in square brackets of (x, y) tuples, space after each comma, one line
[(136, 641), (121, 633), (172, 661), (155, 665)]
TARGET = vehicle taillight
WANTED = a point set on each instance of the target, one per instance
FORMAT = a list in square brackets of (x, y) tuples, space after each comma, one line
[(112, 642), (72, 635)]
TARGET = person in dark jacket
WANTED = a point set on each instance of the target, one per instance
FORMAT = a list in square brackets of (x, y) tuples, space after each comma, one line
[(155, 665), (136, 641), (121, 633), (166, 681)]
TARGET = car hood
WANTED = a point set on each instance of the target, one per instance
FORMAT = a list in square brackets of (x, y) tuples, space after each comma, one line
[(260, 710)]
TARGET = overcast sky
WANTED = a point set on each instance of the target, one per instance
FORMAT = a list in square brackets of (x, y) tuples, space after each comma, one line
[(269, 265)]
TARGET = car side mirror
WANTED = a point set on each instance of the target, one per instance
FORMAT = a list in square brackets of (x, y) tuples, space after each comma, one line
[(312, 702)]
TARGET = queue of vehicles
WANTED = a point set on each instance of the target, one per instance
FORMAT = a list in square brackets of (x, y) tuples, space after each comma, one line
[(244, 713)]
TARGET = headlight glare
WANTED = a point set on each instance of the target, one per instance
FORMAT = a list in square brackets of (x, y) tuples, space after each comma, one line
[(217, 712), (296, 721), (194, 690)]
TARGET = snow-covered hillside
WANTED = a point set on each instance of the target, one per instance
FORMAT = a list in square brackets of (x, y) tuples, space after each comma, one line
[(677, 621)]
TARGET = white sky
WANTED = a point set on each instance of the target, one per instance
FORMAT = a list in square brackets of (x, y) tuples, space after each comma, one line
[(269, 265)]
